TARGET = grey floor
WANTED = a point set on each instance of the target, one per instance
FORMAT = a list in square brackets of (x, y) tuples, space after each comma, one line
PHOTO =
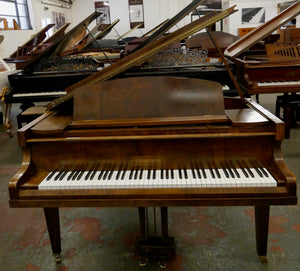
[(208, 239)]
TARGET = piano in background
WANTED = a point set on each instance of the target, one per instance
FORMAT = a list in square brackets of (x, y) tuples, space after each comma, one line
[(46, 75), (43, 81), (152, 141), (33, 48), (255, 72)]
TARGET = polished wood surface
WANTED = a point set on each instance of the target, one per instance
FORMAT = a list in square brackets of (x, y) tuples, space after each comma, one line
[(56, 142), (259, 71), (35, 40), (173, 101), (262, 31), (141, 55)]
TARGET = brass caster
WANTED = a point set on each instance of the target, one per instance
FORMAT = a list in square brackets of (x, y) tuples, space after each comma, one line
[(263, 259), (57, 258), (162, 265), (143, 262)]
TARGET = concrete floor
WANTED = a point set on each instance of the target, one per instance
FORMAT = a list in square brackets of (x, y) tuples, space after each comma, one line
[(208, 239)]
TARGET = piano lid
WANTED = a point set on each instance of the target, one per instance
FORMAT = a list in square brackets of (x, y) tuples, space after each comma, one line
[(262, 31), (145, 101)]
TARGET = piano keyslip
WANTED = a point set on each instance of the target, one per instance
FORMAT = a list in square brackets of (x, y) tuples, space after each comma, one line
[(111, 178)]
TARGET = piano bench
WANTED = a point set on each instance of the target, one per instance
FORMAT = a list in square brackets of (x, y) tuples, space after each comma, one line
[(290, 105), (30, 114)]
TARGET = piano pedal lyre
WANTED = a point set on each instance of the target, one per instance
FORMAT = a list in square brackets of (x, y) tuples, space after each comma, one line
[(161, 248)]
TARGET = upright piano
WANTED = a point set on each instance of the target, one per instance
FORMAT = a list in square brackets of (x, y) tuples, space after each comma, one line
[(255, 71)]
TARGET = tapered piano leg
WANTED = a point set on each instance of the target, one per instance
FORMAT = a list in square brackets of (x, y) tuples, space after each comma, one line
[(262, 228), (52, 220)]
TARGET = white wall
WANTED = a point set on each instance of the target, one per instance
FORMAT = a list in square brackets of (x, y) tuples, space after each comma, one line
[(233, 22), (15, 38), (155, 11)]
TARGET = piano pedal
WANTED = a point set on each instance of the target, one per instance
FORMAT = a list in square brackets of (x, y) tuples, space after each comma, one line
[(57, 258), (156, 248), (162, 264), (143, 262)]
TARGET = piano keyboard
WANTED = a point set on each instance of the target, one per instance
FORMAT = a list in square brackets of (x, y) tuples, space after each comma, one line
[(158, 178), (32, 94), (278, 83)]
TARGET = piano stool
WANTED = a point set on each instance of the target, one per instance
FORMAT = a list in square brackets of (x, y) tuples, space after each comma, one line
[(30, 114), (290, 104)]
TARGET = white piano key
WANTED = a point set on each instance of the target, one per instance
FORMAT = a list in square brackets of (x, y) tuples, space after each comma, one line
[(271, 181), (139, 178)]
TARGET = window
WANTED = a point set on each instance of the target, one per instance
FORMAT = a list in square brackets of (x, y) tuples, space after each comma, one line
[(15, 10)]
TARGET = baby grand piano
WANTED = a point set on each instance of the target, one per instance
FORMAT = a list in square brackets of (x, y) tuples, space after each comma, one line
[(153, 141)]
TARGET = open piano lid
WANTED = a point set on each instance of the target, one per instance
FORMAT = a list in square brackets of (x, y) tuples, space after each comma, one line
[(262, 31), (146, 101)]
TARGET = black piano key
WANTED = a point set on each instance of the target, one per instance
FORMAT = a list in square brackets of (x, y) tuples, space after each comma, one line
[(179, 173), (149, 174), (119, 173), (217, 173), (198, 172), (93, 174), (80, 175), (194, 173), (264, 172), (141, 174), (250, 172), (245, 172), (50, 175), (110, 174), (232, 173), (63, 175), (75, 175), (185, 174), (167, 174), (212, 173), (203, 173), (136, 174), (101, 174), (123, 174), (131, 174), (162, 174), (236, 173), (172, 173), (106, 174), (225, 172), (258, 172), (58, 175), (87, 176), (154, 174), (71, 175)]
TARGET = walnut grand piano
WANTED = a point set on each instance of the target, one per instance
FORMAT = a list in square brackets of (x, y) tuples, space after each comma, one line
[(152, 141)]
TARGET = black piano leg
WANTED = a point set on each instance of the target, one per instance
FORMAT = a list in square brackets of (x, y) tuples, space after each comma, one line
[(52, 220), (262, 228)]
